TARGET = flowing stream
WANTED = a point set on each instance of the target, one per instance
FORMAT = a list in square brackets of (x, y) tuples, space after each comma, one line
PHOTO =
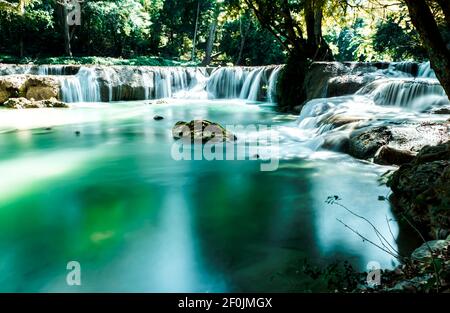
[(98, 184)]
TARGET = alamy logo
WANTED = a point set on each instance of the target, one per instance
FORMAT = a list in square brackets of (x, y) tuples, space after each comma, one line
[(73, 277), (73, 8), (374, 275)]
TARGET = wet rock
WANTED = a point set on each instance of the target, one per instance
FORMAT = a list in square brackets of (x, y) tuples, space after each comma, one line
[(318, 75), (443, 111), (365, 145), (23, 103), (390, 156), (424, 252), (421, 190), (366, 142), (341, 120), (336, 79), (158, 117), (202, 131), (347, 84)]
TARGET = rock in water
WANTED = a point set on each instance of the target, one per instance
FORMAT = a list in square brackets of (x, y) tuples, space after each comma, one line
[(391, 156), (23, 103), (202, 131), (158, 117), (365, 145)]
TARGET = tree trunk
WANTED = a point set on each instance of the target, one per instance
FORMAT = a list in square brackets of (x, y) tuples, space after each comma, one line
[(318, 49), (243, 34), (194, 42), (211, 37), (21, 7), (67, 46), (424, 22)]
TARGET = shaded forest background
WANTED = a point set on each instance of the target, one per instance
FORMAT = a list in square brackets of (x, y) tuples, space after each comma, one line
[(200, 31)]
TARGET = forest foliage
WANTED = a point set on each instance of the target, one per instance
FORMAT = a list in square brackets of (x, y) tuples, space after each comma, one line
[(224, 32)]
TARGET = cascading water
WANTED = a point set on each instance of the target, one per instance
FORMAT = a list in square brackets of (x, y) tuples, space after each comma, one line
[(273, 79), (397, 98), (252, 84), (402, 92), (225, 83), (82, 87), (425, 70), (50, 70)]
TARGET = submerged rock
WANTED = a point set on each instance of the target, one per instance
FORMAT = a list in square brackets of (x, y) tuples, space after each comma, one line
[(202, 131), (158, 117), (23, 103)]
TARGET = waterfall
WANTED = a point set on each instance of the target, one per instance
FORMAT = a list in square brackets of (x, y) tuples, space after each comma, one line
[(273, 79), (425, 70), (226, 83), (252, 85), (50, 70), (402, 92), (83, 87), (406, 67)]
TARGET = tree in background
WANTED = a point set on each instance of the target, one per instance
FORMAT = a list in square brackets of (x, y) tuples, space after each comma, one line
[(297, 26), (398, 43)]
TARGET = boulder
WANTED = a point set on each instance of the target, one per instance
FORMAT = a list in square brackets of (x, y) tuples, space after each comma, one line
[(365, 145), (347, 84), (337, 79), (202, 131), (42, 87), (424, 252), (318, 75), (421, 190), (29, 87), (23, 103), (387, 155), (11, 86)]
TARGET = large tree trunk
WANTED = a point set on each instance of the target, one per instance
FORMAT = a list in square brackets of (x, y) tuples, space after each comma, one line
[(65, 24), (243, 34), (211, 37), (194, 41), (424, 22), (318, 49), (21, 7)]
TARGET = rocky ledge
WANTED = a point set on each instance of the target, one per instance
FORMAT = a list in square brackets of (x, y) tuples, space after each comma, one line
[(23, 103), (421, 191), (396, 144), (29, 87)]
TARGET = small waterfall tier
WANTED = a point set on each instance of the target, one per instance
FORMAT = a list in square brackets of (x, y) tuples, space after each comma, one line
[(128, 83), (404, 92)]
